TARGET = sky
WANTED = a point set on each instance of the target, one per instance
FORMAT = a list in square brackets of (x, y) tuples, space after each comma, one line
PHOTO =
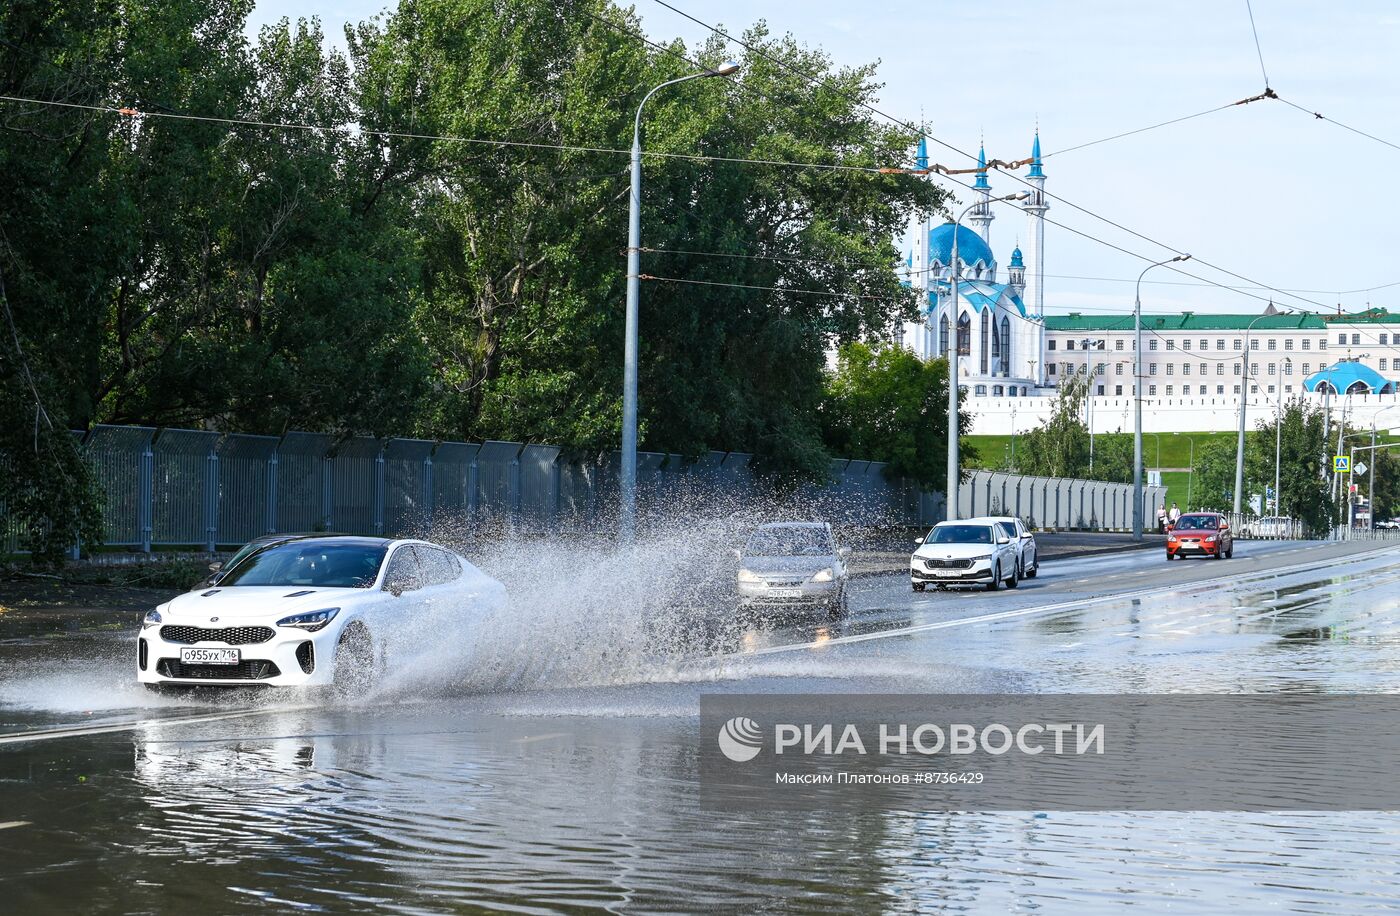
[(1264, 190)]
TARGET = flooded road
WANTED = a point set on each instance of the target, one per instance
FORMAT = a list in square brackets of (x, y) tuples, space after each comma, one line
[(562, 787)]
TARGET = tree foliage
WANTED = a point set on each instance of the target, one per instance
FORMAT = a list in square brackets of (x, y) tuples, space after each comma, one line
[(178, 271), (886, 404)]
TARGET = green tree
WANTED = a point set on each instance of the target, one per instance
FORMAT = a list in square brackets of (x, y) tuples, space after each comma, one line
[(1304, 465), (1058, 447), (886, 404)]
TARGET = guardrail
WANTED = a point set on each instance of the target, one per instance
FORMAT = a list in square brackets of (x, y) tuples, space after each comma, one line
[(203, 489)]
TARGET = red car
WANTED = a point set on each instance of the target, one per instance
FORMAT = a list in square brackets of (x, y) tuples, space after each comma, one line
[(1201, 534)]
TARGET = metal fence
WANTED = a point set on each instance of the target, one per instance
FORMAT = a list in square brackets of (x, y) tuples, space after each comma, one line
[(191, 488)]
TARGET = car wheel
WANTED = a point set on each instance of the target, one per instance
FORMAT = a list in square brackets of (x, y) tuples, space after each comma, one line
[(1170, 557), (1230, 554), (355, 673), (918, 586), (996, 579), (1034, 570), (1015, 579), (840, 609)]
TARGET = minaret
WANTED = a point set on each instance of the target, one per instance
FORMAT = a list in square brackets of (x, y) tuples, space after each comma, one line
[(1016, 273), (1035, 207), (918, 335), (981, 218)]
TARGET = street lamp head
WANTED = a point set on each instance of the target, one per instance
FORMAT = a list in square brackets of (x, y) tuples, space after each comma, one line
[(728, 68), (1182, 257), (1019, 195)]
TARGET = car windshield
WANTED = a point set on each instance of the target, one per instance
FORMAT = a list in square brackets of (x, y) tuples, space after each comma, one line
[(795, 541), (1196, 523), (327, 565), (960, 534)]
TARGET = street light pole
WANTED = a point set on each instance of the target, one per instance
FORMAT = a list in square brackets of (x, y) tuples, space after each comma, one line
[(627, 520), (1278, 430), (950, 497), (1137, 395)]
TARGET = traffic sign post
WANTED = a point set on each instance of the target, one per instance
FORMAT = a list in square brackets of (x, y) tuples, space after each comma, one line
[(1341, 464)]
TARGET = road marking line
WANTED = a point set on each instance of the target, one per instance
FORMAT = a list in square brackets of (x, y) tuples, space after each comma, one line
[(1030, 611), (49, 734), (6, 825)]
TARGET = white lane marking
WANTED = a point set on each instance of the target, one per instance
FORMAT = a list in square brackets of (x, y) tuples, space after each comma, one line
[(1041, 609), (115, 727), (6, 825), (531, 739)]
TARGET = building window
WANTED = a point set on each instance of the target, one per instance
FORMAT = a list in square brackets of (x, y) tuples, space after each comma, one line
[(1385, 338), (1288, 367), (1219, 343), (1171, 345), (1273, 367), (1186, 344), (1237, 389), (1273, 344), (1169, 391), (1050, 369), (998, 391), (1342, 339), (1253, 389), (965, 335), (1254, 344), (1100, 391), (1152, 370), (1253, 368), (1219, 368), (1118, 369), (1118, 344), (1219, 389), (1238, 345), (1185, 369), (986, 322), (1171, 368), (1321, 344), (1006, 345), (1382, 363), (1050, 344), (1204, 370), (1152, 344), (943, 335), (1237, 368), (1288, 344), (1307, 368), (1205, 345), (1203, 389), (1152, 390), (1117, 390), (1271, 389), (981, 391), (1355, 340), (1307, 344), (1069, 345)]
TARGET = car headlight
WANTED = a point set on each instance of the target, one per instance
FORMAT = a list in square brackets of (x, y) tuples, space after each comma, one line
[(985, 556), (747, 576), (311, 621), (825, 575), (151, 619), (1210, 539)]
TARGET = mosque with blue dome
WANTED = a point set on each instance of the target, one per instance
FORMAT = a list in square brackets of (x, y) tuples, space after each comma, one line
[(997, 325)]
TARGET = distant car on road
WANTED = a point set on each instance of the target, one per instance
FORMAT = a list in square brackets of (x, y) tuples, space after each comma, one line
[(314, 610), (1389, 524), (1028, 552), (1200, 534), (972, 552), (793, 566)]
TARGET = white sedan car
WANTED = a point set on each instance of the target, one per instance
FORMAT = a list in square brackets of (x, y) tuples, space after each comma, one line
[(314, 610), (974, 552)]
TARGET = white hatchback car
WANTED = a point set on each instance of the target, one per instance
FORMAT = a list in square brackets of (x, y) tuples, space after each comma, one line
[(974, 552), (314, 610)]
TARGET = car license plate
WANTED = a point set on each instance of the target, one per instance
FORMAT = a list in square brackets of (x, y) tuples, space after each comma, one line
[(209, 656), (786, 593)]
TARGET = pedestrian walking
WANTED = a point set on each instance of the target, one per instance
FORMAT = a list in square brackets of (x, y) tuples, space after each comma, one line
[(1162, 518), (1174, 515)]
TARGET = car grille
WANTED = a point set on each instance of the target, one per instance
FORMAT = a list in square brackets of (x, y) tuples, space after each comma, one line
[(233, 636), (248, 670), (948, 564)]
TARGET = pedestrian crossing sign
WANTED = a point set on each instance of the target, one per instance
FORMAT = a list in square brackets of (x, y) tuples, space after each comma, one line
[(1341, 464)]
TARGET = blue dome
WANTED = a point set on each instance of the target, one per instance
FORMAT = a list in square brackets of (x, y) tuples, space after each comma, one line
[(1343, 375), (971, 248), (1016, 260)]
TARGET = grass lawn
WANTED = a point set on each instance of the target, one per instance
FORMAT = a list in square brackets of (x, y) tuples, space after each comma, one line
[(1164, 450)]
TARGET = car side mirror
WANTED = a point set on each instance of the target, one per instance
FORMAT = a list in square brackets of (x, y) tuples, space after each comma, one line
[(215, 566), (1027, 535), (918, 540), (1003, 540)]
